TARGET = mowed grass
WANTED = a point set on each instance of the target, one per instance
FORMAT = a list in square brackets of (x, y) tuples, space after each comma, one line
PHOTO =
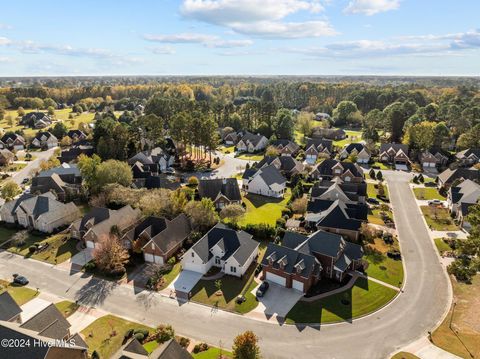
[(352, 137), (383, 268), (171, 275), (105, 335), (375, 217), (442, 246), (6, 234), (464, 337), (212, 353), (261, 209), (372, 190), (251, 156), (428, 193), (438, 218), (404, 355), (363, 298), (67, 307), (205, 292), (19, 293)]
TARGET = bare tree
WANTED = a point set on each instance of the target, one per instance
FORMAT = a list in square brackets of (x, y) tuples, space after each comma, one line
[(109, 255)]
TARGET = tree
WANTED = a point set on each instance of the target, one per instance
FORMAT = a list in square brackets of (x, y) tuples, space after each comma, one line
[(113, 171), (21, 111), (10, 190), (299, 205), (284, 124), (156, 203), (232, 212), (271, 151), (88, 168), (2, 113), (50, 163), (245, 346), (202, 213), (379, 176), (66, 141), (344, 111), (218, 285), (59, 130), (110, 256), (51, 111), (304, 123), (372, 173)]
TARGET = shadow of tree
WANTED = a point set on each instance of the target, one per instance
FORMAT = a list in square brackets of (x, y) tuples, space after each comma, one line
[(95, 292)]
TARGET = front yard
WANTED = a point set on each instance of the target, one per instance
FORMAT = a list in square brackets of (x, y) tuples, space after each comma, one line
[(377, 216), (438, 218), (372, 190), (67, 308), (205, 292), (442, 246), (257, 157), (20, 294), (212, 353), (261, 209), (363, 298), (460, 331), (428, 193), (382, 267)]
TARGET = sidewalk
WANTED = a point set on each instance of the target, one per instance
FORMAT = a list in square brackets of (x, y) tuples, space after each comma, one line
[(424, 349)]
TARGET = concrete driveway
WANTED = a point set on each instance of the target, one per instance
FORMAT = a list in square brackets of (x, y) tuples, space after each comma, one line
[(33, 307), (277, 301), (185, 281), (82, 257)]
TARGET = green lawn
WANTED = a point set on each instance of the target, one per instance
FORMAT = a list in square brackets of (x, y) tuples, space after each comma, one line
[(372, 190), (442, 247), (6, 234), (171, 275), (363, 298), (428, 193), (151, 346), (20, 294), (381, 166), (226, 150), (404, 355), (14, 167), (67, 308), (385, 269), (261, 209), (251, 156), (438, 218), (60, 249), (205, 292), (353, 136), (375, 217), (105, 335), (212, 353)]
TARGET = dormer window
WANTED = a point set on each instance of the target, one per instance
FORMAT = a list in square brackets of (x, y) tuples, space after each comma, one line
[(282, 262)]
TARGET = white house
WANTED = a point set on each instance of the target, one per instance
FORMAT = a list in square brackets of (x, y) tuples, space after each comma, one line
[(231, 251), (44, 139), (317, 147), (252, 143), (266, 181)]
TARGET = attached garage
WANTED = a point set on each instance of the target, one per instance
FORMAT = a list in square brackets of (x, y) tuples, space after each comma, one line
[(153, 258), (298, 285), (90, 244), (276, 279)]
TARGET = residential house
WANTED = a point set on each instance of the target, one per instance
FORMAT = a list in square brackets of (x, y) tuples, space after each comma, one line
[(359, 150), (36, 120), (99, 222), (461, 197), (12, 141), (336, 217), (10, 311), (159, 238), (133, 349), (267, 181), (287, 165), (65, 181), (76, 135), (222, 191), (44, 348), (447, 177), (44, 140), (155, 156), (468, 157), (43, 213), (232, 251), (71, 154), (148, 176), (229, 138), (301, 261), (329, 133), (286, 147), (329, 169), (432, 159), (250, 142), (394, 153), (321, 116), (50, 323), (6, 157), (317, 147), (347, 192)]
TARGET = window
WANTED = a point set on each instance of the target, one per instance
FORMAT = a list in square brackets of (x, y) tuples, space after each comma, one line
[(233, 269), (193, 254), (217, 260)]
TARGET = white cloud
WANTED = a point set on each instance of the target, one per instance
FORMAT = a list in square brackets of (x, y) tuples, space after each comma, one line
[(163, 50), (192, 38), (371, 7), (4, 59), (31, 47), (4, 41), (260, 18), (5, 27)]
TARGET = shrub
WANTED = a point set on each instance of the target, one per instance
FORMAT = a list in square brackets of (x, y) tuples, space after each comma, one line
[(281, 223), (143, 331), (462, 269), (172, 261), (32, 249), (200, 348), (260, 231), (184, 342), (139, 337), (90, 266), (193, 181), (420, 178), (128, 334), (415, 179), (95, 355), (164, 333)]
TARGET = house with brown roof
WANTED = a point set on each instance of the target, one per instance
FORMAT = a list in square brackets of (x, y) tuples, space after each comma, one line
[(329, 133), (316, 148), (99, 222), (394, 153), (133, 349), (432, 159), (285, 147), (6, 157), (65, 181), (359, 150), (329, 169)]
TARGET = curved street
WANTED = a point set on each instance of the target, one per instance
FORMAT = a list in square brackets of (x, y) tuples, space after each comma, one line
[(410, 316)]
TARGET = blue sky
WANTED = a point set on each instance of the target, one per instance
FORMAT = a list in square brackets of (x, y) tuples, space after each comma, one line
[(240, 37)]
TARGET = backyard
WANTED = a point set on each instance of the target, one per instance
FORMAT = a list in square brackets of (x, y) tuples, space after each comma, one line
[(205, 291), (460, 330), (428, 193), (382, 267), (363, 298), (438, 218), (20, 294), (261, 209)]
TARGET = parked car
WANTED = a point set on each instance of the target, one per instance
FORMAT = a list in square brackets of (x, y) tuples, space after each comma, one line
[(435, 202), (25, 180), (372, 200), (19, 279), (170, 171), (262, 289)]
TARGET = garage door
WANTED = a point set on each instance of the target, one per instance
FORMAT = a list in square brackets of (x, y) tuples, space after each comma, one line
[(158, 259), (276, 279), (148, 257), (90, 244), (297, 285)]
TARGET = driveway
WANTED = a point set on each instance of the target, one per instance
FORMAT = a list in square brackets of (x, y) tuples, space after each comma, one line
[(277, 301), (33, 307), (82, 257), (185, 281)]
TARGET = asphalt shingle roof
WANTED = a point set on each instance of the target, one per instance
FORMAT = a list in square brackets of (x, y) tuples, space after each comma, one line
[(212, 188), (8, 307)]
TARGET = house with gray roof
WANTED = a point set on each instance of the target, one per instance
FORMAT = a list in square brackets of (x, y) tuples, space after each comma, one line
[(329, 169), (468, 157), (251, 143), (287, 165), (44, 139), (222, 191), (394, 153), (159, 238), (460, 198), (162, 158), (65, 181), (299, 262), (266, 181), (9, 309), (50, 323), (223, 247), (285, 147), (12, 141), (6, 157), (449, 176), (317, 148), (133, 349), (359, 150), (336, 188), (43, 212)]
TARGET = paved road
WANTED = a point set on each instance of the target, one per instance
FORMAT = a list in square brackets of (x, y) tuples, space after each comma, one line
[(230, 168), (33, 165), (409, 317)]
